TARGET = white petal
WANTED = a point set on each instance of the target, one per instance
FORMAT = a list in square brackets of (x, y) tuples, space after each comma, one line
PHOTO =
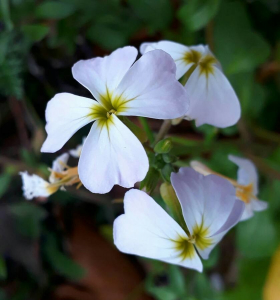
[(259, 205), (201, 168), (58, 166), (78, 150), (147, 230), (176, 50), (248, 212), (247, 172), (212, 99), (253, 205), (104, 73), (111, 155), (34, 186), (151, 90), (206, 200), (65, 115)]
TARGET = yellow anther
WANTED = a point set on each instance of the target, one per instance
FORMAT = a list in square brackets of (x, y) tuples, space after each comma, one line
[(109, 113)]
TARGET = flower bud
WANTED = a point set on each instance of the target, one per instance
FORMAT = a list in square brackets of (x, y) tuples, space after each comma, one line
[(163, 146)]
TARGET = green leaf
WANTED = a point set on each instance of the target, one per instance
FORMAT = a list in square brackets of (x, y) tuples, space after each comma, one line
[(238, 47), (197, 13), (35, 32), (54, 10), (61, 263), (4, 45), (177, 280), (156, 14), (107, 36), (5, 180), (257, 237)]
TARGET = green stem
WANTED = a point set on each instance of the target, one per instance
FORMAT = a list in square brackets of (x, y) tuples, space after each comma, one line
[(147, 129), (165, 126)]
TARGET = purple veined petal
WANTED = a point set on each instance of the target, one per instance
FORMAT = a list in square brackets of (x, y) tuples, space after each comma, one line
[(147, 230), (111, 155), (150, 88), (212, 99), (65, 115), (101, 75)]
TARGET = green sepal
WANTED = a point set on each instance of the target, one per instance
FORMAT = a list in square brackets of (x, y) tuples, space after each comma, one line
[(168, 158), (151, 180), (166, 172)]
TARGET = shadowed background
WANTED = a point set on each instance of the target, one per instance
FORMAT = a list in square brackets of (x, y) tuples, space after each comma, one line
[(61, 247)]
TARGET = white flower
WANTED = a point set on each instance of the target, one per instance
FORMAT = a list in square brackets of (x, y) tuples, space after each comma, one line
[(111, 153), (246, 184), (34, 186), (58, 166), (78, 150), (212, 98), (209, 208), (247, 188)]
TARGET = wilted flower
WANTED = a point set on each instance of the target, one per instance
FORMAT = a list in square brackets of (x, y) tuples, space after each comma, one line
[(61, 175), (212, 98), (78, 150), (111, 153), (246, 184), (209, 208)]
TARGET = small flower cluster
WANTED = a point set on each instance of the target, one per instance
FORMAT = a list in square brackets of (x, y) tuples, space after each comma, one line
[(207, 204)]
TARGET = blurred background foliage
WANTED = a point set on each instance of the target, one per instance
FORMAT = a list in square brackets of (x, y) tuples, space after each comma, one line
[(42, 254)]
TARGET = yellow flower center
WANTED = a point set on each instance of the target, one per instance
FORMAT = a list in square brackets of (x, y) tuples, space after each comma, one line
[(245, 192), (205, 63), (185, 245), (200, 236), (184, 248), (109, 104)]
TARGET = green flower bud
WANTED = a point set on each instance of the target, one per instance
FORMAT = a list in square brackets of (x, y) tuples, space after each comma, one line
[(163, 146)]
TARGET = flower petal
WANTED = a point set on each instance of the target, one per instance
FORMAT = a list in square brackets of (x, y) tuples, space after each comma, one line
[(102, 74), (206, 200), (247, 172), (259, 205), (147, 230), (212, 99), (175, 50), (201, 168), (77, 151), (248, 212), (253, 205), (65, 115), (150, 88), (58, 166), (34, 186), (111, 155)]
